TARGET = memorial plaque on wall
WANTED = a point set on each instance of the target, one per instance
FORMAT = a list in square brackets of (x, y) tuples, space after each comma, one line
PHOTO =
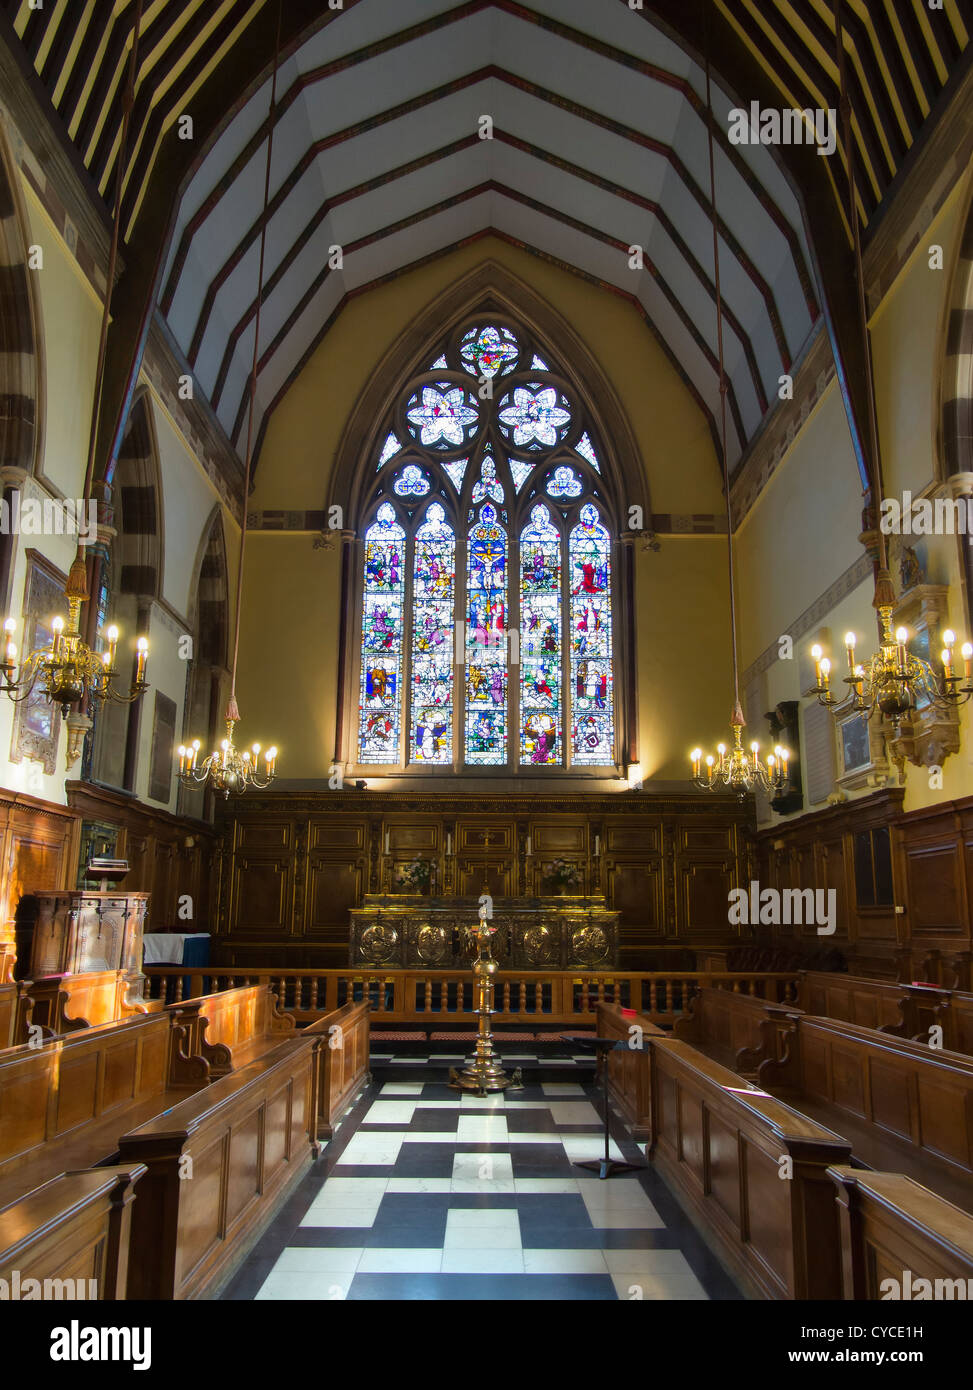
[(163, 738)]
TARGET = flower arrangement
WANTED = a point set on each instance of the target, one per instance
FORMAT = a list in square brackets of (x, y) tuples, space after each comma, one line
[(562, 874), (415, 876)]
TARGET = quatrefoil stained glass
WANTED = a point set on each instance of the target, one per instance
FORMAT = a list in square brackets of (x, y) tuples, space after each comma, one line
[(534, 417), (487, 351), (442, 416)]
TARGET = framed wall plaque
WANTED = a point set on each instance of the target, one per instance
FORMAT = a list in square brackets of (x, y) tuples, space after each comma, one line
[(37, 723)]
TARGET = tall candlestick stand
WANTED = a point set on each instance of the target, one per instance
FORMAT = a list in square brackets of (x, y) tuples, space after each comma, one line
[(483, 1072)]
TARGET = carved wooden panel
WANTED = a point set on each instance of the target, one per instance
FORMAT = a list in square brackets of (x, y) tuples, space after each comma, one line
[(635, 890), (554, 837), (473, 836), (934, 889), (703, 839), (267, 835), (703, 898), (334, 835), (261, 896), (334, 887), (644, 839)]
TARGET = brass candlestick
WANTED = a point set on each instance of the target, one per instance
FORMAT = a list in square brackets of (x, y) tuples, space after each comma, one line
[(483, 1072)]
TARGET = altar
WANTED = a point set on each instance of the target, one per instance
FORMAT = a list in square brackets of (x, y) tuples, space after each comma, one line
[(405, 931)]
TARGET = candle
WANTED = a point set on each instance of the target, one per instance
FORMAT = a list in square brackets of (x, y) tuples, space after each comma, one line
[(182, 759), (949, 642), (597, 845), (755, 750), (193, 752), (271, 760), (967, 660), (449, 843), (142, 647), (901, 637), (709, 767), (850, 649), (57, 627), (386, 842), (528, 845), (824, 671), (696, 757), (817, 653), (945, 655), (112, 635)]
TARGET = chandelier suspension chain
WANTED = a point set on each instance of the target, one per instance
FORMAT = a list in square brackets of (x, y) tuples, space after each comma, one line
[(844, 108), (248, 463), (719, 345), (127, 104)]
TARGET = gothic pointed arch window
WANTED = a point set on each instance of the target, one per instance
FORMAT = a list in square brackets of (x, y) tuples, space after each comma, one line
[(487, 616)]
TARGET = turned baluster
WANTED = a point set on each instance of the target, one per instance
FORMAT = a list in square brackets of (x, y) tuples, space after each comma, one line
[(538, 996), (314, 992)]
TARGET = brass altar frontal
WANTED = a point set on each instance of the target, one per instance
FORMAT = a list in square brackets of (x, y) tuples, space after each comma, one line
[(409, 931)]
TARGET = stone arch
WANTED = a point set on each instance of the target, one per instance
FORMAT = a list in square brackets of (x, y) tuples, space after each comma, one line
[(957, 374), (137, 497), (21, 370), (488, 287)]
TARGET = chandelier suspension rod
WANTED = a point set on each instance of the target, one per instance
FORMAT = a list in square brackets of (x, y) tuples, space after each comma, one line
[(128, 101), (844, 108), (248, 463), (723, 388)]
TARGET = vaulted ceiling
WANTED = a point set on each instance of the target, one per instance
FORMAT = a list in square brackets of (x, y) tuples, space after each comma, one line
[(598, 144)]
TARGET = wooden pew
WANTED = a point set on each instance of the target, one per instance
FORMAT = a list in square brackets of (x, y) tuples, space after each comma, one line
[(219, 1165), (904, 1010), (71, 1235), (342, 1062), (904, 1106), (8, 1014), (628, 1072), (233, 1027), (737, 1030), (750, 1172), (64, 1104), (894, 1229)]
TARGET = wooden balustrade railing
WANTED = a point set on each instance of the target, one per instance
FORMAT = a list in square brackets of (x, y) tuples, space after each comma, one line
[(438, 997)]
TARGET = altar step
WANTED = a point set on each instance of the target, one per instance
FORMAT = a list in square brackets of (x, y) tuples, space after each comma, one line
[(408, 1038)]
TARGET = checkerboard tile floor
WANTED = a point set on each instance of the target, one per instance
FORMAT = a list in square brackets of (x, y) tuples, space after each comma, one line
[(431, 1193)]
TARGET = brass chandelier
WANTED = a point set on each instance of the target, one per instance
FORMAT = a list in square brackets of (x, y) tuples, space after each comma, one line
[(734, 769), (69, 672), (893, 683), (229, 770)]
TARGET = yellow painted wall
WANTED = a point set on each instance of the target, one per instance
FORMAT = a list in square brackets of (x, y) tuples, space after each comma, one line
[(801, 535)]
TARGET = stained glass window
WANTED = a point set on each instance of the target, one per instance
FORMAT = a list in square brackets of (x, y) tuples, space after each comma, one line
[(456, 470), (564, 483), (389, 449), (378, 734), (486, 641), (442, 416), (411, 482), (487, 351), (534, 416), (540, 641), (520, 472), (439, 698), (591, 641), (487, 484), (586, 449), (433, 593)]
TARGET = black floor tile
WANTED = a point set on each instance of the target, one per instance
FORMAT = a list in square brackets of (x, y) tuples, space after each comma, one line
[(483, 1287)]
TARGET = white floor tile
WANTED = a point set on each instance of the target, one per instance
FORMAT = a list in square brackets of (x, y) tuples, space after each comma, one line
[(484, 1167), (359, 1191), (549, 1186), (340, 1216), (564, 1262), (400, 1261), (390, 1112), (432, 1137), (635, 1287), (482, 1261), (401, 1088), (483, 1186), (562, 1088), (580, 1146), (483, 1219), (304, 1287), (420, 1185), (473, 1127), (533, 1139), (625, 1218), (325, 1259), (656, 1262), (575, 1112)]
